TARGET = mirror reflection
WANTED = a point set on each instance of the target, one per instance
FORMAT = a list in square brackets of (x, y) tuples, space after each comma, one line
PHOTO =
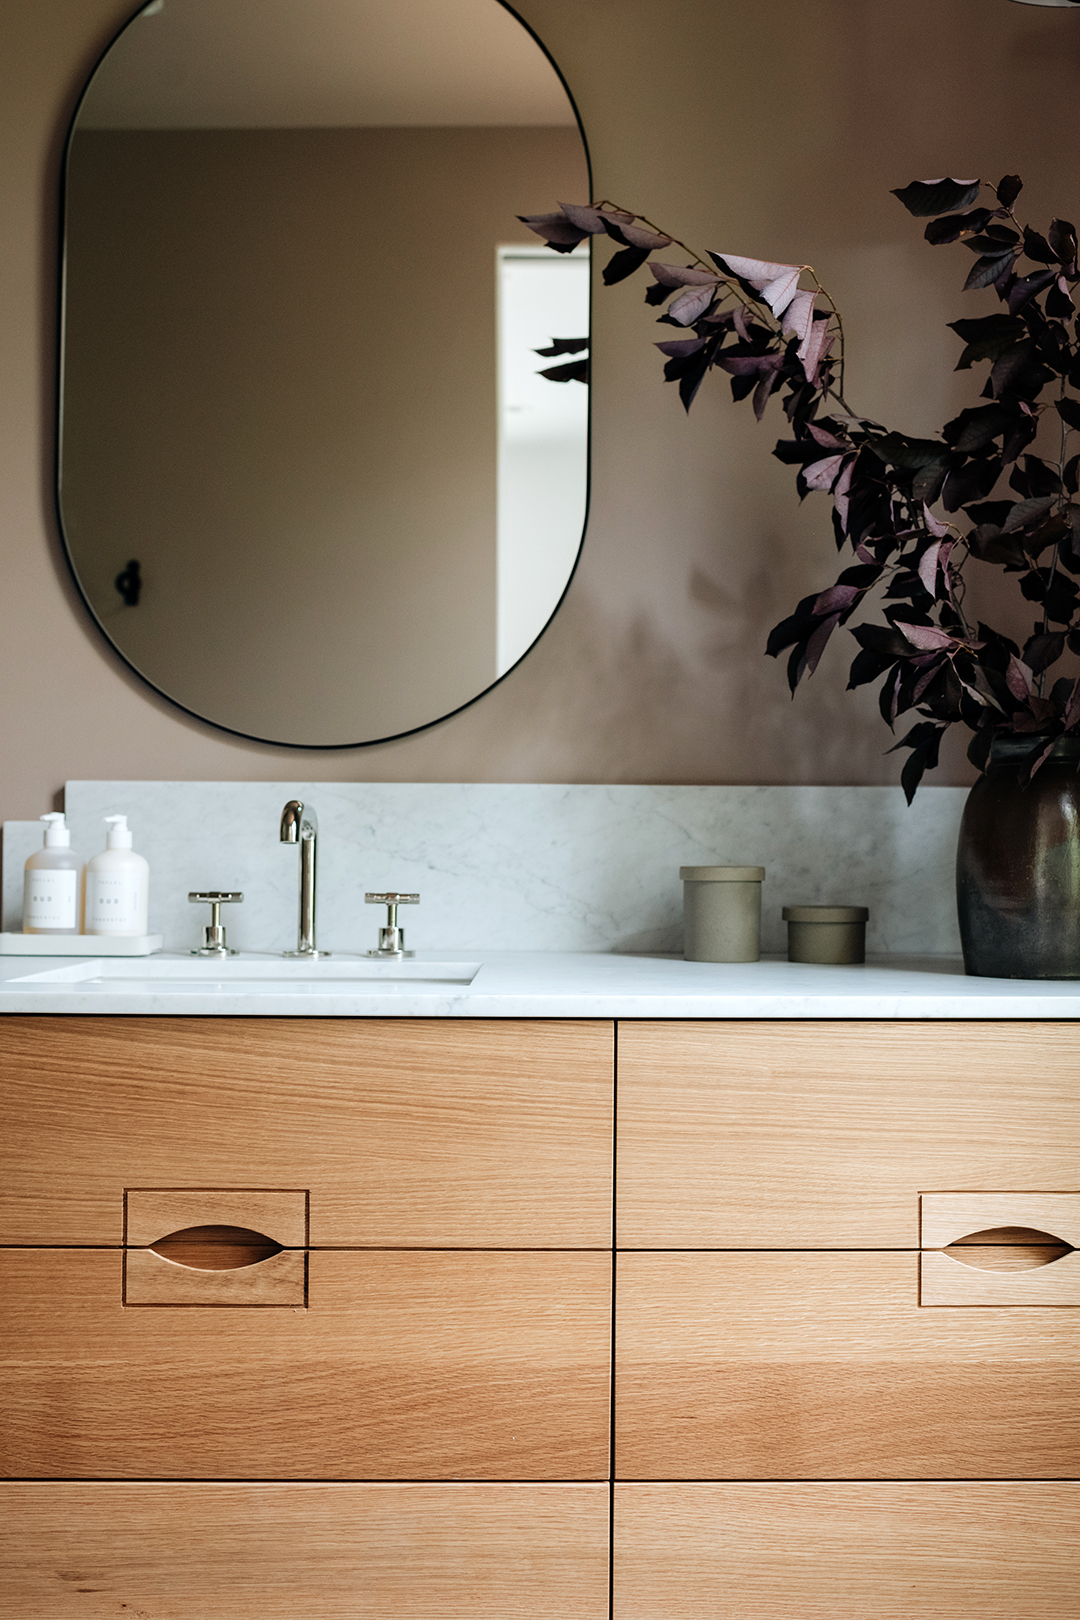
[(311, 485)]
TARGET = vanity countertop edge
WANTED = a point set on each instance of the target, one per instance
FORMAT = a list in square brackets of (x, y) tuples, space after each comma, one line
[(524, 984)]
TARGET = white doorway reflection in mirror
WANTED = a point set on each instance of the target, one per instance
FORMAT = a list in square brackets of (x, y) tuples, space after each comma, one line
[(543, 442)]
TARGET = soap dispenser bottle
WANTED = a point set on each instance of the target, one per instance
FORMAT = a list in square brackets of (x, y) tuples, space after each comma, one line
[(117, 885), (51, 882)]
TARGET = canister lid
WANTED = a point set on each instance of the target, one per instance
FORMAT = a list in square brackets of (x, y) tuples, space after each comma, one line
[(722, 874), (826, 914)]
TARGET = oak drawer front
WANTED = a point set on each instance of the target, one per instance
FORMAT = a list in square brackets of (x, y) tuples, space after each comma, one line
[(932, 1551), (403, 1365), (423, 1132), (823, 1135), (797, 1365), (304, 1552)]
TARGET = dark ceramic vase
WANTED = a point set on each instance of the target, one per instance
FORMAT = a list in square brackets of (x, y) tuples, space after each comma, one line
[(1018, 866)]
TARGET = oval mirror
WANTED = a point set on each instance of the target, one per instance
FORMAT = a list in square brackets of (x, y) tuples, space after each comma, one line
[(311, 484)]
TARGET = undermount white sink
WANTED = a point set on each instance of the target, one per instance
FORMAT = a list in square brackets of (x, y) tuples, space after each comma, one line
[(252, 974)]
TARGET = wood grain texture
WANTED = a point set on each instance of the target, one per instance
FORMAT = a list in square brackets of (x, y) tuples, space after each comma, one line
[(154, 1212), (818, 1135), (405, 1365), (944, 1281), (150, 1279), (947, 1217), (417, 1132), (304, 1552), (932, 1551), (817, 1366)]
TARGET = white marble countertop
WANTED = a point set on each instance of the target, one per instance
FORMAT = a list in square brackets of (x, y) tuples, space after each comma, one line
[(442, 984)]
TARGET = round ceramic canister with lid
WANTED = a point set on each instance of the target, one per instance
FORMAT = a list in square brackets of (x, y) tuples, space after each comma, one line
[(826, 934), (722, 913)]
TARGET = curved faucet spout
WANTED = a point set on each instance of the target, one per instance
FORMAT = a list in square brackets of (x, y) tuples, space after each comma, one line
[(291, 817), (300, 825)]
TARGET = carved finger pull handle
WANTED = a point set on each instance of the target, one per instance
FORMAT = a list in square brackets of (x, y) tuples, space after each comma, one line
[(222, 1258), (1004, 1249)]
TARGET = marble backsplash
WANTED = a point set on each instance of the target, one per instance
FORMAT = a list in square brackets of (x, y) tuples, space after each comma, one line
[(522, 866)]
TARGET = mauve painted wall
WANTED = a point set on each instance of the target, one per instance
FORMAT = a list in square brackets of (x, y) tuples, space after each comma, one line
[(769, 130)]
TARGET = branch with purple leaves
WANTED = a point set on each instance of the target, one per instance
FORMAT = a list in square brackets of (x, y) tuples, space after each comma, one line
[(752, 319)]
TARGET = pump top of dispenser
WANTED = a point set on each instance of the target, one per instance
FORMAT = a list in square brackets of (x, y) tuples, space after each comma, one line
[(120, 835), (57, 831)]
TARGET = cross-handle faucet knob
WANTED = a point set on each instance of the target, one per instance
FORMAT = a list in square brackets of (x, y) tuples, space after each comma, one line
[(214, 942), (391, 938)]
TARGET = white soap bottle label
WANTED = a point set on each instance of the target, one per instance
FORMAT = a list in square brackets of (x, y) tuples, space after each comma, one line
[(50, 899), (113, 902)]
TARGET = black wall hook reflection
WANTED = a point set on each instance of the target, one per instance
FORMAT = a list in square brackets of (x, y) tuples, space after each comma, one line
[(129, 583)]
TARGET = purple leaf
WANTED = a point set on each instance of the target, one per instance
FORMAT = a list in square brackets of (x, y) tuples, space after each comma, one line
[(894, 694), (680, 346), (1063, 241), (1019, 679), (930, 671), (1024, 290), (836, 598), (816, 644), (1026, 513), (637, 236), (555, 229), (928, 567), (827, 440), (799, 316), (623, 264), (840, 495), (990, 268), (1043, 757), (683, 275), (925, 197), (770, 377), (814, 346), (777, 283), (927, 637), (564, 346), (739, 319), (954, 226), (935, 525), (823, 474), (749, 365), (1037, 247), (592, 220), (1043, 649), (979, 688), (573, 371), (691, 304), (1008, 189), (1009, 367)]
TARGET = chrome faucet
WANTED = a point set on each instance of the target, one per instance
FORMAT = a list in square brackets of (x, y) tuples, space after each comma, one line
[(300, 825)]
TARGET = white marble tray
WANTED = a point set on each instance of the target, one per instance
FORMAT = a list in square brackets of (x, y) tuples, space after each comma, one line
[(80, 944)]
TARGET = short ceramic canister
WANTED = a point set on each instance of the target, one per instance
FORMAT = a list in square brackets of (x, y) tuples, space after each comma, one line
[(831, 934), (722, 913)]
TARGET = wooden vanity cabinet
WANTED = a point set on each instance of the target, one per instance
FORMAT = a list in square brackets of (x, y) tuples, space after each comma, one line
[(399, 1402)]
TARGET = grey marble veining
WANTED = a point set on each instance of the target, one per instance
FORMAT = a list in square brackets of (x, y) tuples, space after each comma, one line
[(524, 866)]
